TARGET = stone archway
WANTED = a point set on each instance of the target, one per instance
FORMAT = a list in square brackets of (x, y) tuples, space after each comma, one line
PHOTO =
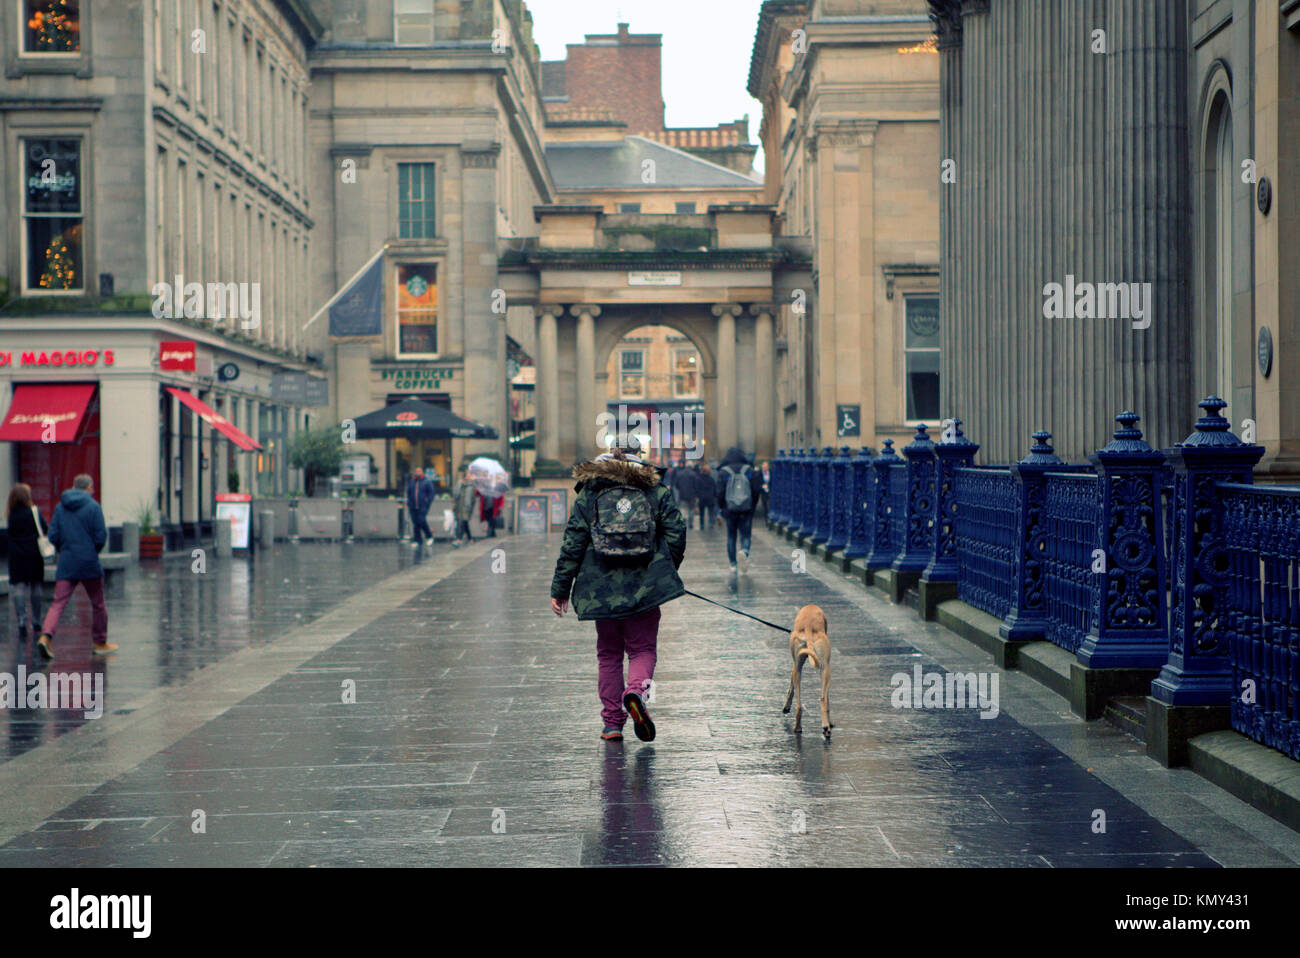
[(683, 418)]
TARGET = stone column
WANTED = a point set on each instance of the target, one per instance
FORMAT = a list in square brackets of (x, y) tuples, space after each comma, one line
[(764, 381), (586, 375), (548, 383), (725, 414)]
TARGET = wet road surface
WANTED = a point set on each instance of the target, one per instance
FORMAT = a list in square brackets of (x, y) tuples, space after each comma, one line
[(473, 740)]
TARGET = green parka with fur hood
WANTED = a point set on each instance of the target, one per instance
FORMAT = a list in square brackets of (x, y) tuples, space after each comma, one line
[(603, 590)]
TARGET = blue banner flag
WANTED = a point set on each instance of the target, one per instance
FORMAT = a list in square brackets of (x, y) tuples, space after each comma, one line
[(358, 309)]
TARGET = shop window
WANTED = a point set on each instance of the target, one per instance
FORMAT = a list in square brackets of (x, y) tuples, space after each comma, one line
[(417, 309), (631, 375), (629, 207), (412, 22), (415, 201), (921, 358), (51, 26), (686, 373), (686, 207), (52, 214)]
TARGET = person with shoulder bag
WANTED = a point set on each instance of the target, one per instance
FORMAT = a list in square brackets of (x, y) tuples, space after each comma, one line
[(28, 547), (623, 544)]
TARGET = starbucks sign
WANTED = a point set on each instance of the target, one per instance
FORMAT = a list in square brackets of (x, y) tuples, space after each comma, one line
[(416, 378)]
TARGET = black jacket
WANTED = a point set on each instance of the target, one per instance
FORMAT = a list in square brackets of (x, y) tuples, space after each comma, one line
[(25, 561), (735, 462)]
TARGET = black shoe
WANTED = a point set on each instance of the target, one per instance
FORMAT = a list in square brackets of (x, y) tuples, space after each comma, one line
[(641, 724)]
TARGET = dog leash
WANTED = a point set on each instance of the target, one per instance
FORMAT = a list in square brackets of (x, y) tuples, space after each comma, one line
[(773, 625)]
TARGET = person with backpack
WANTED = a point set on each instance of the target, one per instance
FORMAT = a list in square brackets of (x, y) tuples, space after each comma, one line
[(623, 544), (739, 487)]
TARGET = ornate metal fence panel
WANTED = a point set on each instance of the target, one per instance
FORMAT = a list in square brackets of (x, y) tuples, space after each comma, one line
[(986, 538), (1261, 528), (898, 508), (1073, 505)]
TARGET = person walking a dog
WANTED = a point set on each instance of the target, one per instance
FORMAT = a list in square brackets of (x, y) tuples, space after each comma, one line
[(738, 488), (623, 544)]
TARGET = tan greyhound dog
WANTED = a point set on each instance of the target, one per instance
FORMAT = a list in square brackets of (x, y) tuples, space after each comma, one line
[(810, 641)]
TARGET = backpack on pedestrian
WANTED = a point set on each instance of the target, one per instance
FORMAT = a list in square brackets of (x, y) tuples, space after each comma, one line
[(623, 527), (739, 494)]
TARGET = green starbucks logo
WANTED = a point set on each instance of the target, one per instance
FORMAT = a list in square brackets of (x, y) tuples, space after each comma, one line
[(416, 286)]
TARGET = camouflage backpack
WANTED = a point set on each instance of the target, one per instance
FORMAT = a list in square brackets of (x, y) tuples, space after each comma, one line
[(624, 525)]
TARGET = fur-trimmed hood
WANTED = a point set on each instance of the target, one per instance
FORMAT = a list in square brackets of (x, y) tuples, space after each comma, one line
[(631, 472)]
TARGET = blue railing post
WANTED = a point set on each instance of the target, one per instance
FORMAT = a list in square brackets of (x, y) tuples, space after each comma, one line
[(776, 487), (1199, 671), (918, 540), (863, 507), (1130, 616), (841, 469), (1027, 620), (882, 553), (822, 513), (948, 456), (800, 492)]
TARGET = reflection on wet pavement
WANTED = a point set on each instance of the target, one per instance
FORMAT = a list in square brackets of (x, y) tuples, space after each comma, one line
[(171, 621)]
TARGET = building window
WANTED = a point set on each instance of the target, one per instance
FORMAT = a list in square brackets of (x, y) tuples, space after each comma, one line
[(415, 206), (53, 219), (417, 309), (629, 207), (685, 207), (631, 374), (412, 22), (686, 373), (51, 26), (921, 358)]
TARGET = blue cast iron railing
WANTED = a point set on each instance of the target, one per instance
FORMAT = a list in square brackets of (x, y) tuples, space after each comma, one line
[(1070, 586), (1144, 559), (986, 538), (1261, 528)]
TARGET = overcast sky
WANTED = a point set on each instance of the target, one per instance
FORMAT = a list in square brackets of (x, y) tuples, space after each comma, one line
[(706, 49)]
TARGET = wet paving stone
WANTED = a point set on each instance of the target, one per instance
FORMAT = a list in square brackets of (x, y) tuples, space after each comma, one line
[(171, 621), (472, 739)]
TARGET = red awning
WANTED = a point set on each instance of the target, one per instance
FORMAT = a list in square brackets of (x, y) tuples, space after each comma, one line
[(214, 419), (36, 404)]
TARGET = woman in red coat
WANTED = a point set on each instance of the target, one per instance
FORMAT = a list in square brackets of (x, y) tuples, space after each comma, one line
[(488, 510)]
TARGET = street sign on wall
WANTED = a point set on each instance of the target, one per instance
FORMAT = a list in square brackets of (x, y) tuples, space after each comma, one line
[(848, 420)]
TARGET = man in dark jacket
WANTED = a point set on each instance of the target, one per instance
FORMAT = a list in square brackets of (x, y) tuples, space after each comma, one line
[(77, 530), (419, 496), (738, 508), (622, 596)]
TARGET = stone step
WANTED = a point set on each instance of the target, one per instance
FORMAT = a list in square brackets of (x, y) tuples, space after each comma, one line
[(1128, 713)]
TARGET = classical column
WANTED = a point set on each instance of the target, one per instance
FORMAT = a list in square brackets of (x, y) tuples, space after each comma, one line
[(725, 415), (764, 380), (586, 375), (548, 384)]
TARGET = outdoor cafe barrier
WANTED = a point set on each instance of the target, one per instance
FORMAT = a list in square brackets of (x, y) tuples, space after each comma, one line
[(1140, 559)]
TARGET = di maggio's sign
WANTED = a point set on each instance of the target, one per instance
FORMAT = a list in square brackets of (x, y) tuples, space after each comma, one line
[(64, 357)]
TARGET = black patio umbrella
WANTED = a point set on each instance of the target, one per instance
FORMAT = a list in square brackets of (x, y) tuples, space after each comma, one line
[(414, 419)]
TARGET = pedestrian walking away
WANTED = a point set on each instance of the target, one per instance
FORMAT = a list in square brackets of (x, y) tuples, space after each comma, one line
[(419, 496), (738, 488), (623, 544), (702, 484), (26, 563), (77, 530)]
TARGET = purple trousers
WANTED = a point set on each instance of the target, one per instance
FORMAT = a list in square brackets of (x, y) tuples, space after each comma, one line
[(63, 590), (637, 636)]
